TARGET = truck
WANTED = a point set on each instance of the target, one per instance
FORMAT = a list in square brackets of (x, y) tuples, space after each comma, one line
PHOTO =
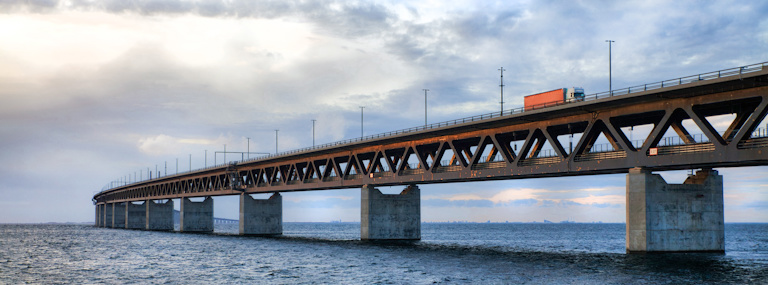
[(554, 97)]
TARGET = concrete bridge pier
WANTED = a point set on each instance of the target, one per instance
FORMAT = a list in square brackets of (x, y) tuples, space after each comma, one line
[(135, 216), (97, 220), (159, 216), (390, 217), (108, 215), (261, 216), (196, 216), (118, 215), (684, 217)]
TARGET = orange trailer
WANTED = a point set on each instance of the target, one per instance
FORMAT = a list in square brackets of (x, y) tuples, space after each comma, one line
[(554, 97)]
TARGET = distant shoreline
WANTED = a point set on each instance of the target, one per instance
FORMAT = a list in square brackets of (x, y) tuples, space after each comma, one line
[(463, 222)]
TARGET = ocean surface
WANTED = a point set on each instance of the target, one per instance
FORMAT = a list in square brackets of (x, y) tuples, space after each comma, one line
[(310, 253)]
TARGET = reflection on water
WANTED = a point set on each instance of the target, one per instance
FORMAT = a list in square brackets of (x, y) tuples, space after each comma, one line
[(332, 253)]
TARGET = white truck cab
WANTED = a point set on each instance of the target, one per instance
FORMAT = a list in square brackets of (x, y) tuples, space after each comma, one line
[(573, 94)]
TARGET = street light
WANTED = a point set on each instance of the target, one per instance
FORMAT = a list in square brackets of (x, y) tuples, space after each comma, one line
[(206, 158), (425, 107), (313, 132), (501, 85), (276, 141), (361, 121), (610, 87), (249, 148)]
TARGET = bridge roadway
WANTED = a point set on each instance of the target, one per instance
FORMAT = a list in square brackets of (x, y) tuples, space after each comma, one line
[(486, 148)]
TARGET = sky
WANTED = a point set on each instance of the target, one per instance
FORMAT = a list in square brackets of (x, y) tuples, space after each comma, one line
[(95, 91)]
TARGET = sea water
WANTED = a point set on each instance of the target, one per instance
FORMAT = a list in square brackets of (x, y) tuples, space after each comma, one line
[(310, 253)]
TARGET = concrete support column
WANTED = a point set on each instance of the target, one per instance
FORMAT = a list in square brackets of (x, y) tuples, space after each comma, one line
[(118, 215), (108, 211), (390, 217), (135, 216), (103, 218), (665, 217), (196, 216), (159, 217), (97, 220), (261, 216)]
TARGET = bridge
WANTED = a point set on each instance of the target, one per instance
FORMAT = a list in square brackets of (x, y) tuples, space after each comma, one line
[(587, 137)]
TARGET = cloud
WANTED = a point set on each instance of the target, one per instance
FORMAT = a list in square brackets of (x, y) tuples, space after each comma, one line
[(113, 87), (601, 200), (762, 205), (526, 197)]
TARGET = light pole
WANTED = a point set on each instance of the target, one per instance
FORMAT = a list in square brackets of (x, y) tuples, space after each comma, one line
[(225, 153), (501, 85), (313, 132), (206, 158), (361, 121), (610, 87), (190, 162), (425, 107), (177, 165), (249, 148), (276, 141)]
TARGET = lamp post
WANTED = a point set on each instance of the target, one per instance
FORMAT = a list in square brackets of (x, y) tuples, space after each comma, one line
[(249, 148), (361, 121), (501, 86), (225, 153), (425, 107), (206, 158), (313, 132), (276, 141), (610, 87)]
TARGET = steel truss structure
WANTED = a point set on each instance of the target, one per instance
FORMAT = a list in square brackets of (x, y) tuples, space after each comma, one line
[(512, 147)]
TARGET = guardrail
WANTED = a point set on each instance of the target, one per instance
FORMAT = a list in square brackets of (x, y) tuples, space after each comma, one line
[(607, 94)]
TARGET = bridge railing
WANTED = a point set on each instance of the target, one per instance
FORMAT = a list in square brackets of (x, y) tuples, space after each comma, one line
[(601, 95)]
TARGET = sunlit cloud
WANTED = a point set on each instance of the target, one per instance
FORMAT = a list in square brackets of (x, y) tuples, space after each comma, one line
[(163, 144), (530, 197)]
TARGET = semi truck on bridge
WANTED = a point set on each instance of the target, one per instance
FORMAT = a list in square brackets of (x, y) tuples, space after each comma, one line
[(554, 97)]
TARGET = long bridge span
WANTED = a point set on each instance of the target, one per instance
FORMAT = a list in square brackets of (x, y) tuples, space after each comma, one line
[(578, 138)]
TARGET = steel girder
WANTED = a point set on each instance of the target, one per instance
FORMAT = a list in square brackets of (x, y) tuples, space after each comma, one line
[(510, 147)]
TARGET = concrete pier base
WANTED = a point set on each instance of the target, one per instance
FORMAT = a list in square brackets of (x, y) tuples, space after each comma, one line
[(196, 216), (118, 215), (261, 216), (135, 216), (684, 217), (390, 217), (159, 215), (108, 215), (97, 220)]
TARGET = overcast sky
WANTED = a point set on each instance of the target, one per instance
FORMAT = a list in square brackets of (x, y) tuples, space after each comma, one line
[(91, 91)]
